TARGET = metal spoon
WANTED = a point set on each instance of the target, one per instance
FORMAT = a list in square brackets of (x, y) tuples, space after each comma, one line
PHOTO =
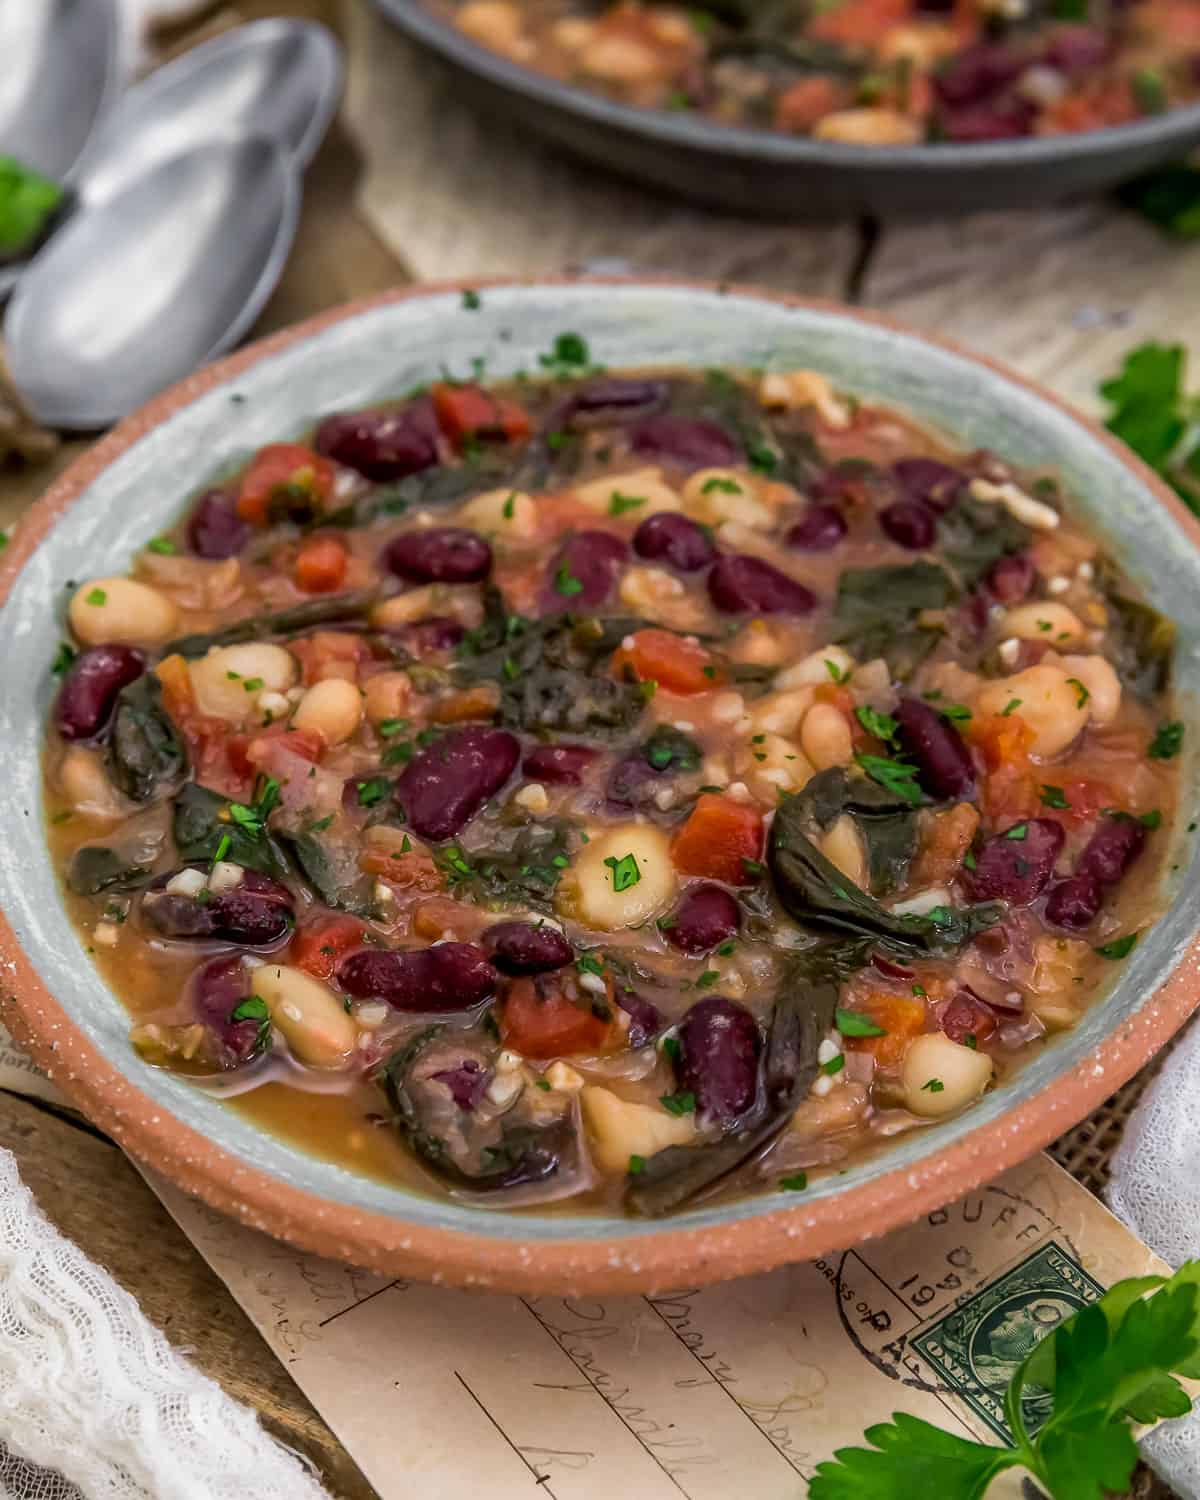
[(277, 78), (59, 77), (136, 292)]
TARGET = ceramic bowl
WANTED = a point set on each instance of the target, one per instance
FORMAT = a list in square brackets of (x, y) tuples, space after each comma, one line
[(767, 174), (135, 482)]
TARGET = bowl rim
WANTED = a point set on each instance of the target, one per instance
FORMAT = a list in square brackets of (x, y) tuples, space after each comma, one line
[(615, 1264), (698, 133)]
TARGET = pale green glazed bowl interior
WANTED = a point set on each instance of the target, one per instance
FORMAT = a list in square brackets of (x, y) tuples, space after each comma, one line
[(380, 353)]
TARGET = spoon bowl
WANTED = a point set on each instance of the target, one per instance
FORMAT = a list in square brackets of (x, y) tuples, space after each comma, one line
[(278, 79), (139, 290)]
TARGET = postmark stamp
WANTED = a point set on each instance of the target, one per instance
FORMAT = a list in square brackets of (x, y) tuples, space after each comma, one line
[(976, 1347)]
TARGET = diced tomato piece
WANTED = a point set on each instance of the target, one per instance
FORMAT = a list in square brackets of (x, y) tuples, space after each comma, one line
[(968, 1016), (329, 653), (321, 945), (321, 565), (1011, 786), (466, 411), (902, 1017), (808, 100), (677, 664), (540, 1021), (283, 475), (177, 696), (717, 839), (246, 751), (859, 21)]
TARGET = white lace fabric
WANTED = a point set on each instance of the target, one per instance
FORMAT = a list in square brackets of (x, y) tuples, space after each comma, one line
[(95, 1403), (1155, 1189)]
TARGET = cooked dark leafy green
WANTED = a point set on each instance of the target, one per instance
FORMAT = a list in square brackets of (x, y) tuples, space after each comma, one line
[(1143, 640), (146, 753), (976, 534), (282, 623), (96, 868), (669, 749), (876, 612), (886, 820), (202, 822), (523, 866), (813, 891), (331, 868)]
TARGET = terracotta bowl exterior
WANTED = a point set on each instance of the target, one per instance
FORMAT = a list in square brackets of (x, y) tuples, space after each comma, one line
[(135, 481)]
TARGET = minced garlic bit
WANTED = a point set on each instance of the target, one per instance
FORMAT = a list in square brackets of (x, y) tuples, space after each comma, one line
[(1023, 507), (107, 934), (559, 1075), (534, 798)]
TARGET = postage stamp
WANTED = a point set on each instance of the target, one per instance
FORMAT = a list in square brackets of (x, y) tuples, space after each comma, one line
[(977, 1347)]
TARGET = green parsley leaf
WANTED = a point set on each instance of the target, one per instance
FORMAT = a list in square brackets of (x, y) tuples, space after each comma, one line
[(373, 791), (834, 1065), (96, 597), (836, 672), (672, 1048), (618, 504), (63, 658), (162, 545), (919, 990), (753, 866), (1081, 693), (252, 1008), (882, 726), (1120, 947), (721, 486), (1018, 831), (796, 1183), (542, 1084), (957, 713), (252, 684), (390, 727), (27, 200), (625, 872), (933, 1086), (471, 300), (854, 1023), (566, 583), (1013, 703), (897, 776), (636, 1164), (1151, 820), (1168, 738), (709, 977), (568, 356), (508, 508), (1149, 91), (678, 1104), (1054, 796), (589, 964)]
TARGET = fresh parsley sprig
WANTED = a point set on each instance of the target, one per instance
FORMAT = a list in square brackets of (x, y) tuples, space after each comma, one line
[(1153, 414), (1110, 1367)]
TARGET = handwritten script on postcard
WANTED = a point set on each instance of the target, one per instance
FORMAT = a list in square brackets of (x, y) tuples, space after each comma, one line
[(740, 1389)]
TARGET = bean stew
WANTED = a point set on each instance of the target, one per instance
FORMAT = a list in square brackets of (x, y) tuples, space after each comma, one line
[(613, 789), (863, 72)]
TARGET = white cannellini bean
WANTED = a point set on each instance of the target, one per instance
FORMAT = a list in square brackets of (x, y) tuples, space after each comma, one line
[(814, 668), (333, 708), (588, 891), (781, 713), (619, 1129), (940, 1076), (843, 846), (1103, 685), (868, 127), (225, 876), (495, 23), (798, 388), (1023, 507), (187, 882), (227, 680), (717, 495), (1047, 702), (646, 485), (86, 786), (505, 514), (312, 1019), (533, 798), (1045, 621), (825, 737), (121, 609), (107, 934), (560, 1075)]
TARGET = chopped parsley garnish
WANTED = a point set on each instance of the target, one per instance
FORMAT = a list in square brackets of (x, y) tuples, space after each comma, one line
[(753, 866), (252, 684), (373, 791), (1018, 831), (836, 672), (796, 1183), (1120, 947), (920, 991), (956, 712), (672, 1047), (834, 1065), (854, 1023), (1151, 820), (897, 776), (507, 509), (882, 726), (762, 459), (1010, 706), (162, 545), (618, 504), (96, 597), (625, 872), (568, 356), (933, 1086), (1168, 738), (679, 1104), (727, 948), (63, 658), (722, 486), (471, 301), (1081, 693), (542, 1084), (589, 964), (390, 727), (708, 978), (1054, 796), (566, 583), (636, 1164)]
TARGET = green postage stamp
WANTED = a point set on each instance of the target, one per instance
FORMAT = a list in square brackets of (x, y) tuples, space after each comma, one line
[(977, 1347)]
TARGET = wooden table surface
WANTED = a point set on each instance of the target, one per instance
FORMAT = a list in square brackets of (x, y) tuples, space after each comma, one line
[(409, 185)]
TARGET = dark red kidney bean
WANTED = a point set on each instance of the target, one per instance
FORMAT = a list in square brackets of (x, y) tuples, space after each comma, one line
[(645, 1018), (381, 445), (1000, 120), (256, 913), (526, 948), (442, 788), (706, 916), (934, 484), (1009, 579), (968, 1016), (603, 403), (748, 585), (719, 1046), (439, 554), (687, 442), (909, 523), (819, 529), (944, 765), (1016, 870), (1077, 49), (446, 977), (583, 573), (676, 540), (438, 633), (214, 529), (217, 988), (467, 1083), (1074, 903), (89, 690), (977, 73), (558, 765), (1110, 851)]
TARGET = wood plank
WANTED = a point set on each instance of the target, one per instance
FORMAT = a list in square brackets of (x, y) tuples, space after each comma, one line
[(456, 195), (85, 1187), (1061, 295)]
